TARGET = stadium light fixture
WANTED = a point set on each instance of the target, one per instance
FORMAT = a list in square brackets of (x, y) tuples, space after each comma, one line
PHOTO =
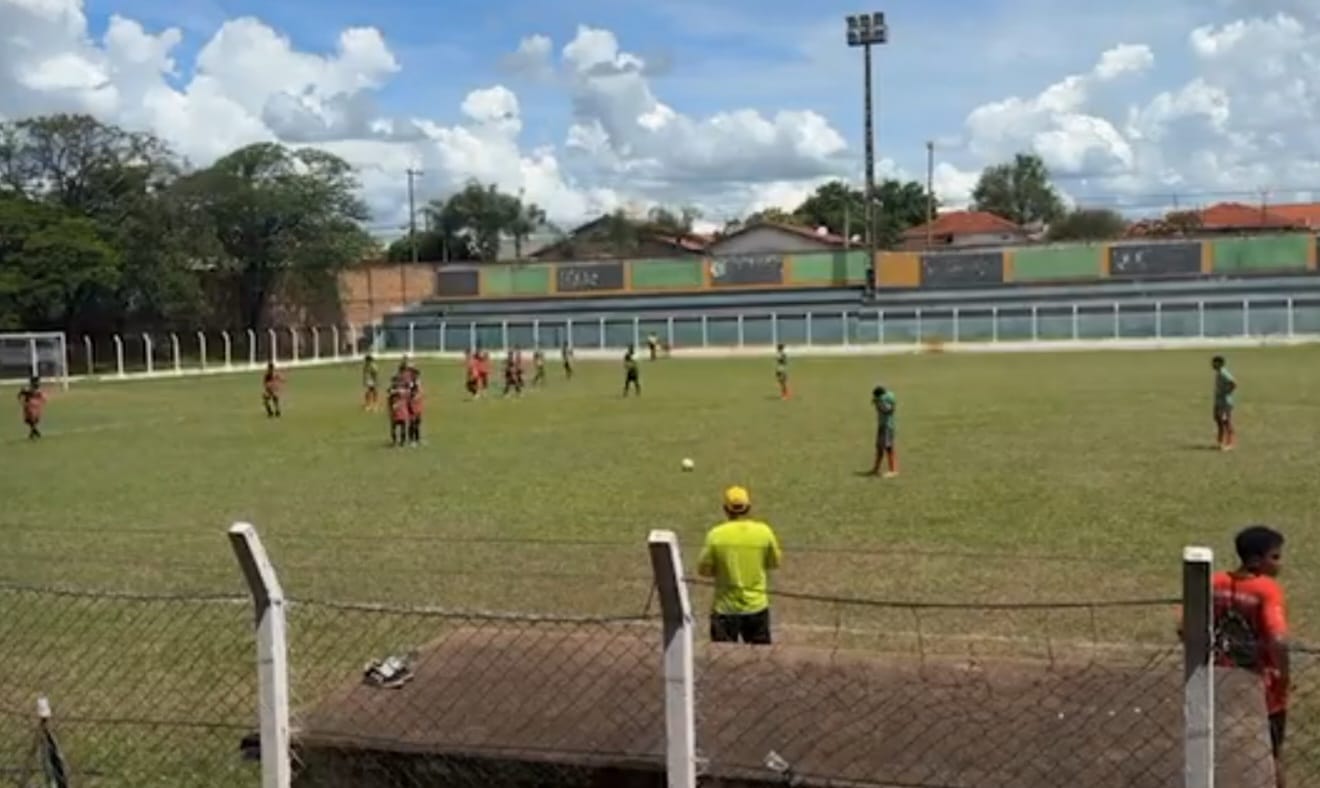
[(866, 31)]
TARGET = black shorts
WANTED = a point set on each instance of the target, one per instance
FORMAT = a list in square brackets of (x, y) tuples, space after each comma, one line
[(751, 628), (631, 377), (1278, 731), (1223, 414), (884, 438)]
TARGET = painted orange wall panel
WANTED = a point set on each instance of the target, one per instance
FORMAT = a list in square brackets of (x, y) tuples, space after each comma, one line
[(1008, 266), (1207, 258), (1104, 260), (1311, 254), (898, 269)]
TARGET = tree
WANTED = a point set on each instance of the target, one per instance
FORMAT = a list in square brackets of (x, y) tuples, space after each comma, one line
[(485, 216), (663, 221), (523, 220), (1019, 191), (1088, 224), (280, 218), (432, 246), (53, 265), (773, 214), (900, 205)]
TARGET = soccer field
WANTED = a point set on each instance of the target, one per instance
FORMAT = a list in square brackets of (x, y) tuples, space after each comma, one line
[(1026, 478)]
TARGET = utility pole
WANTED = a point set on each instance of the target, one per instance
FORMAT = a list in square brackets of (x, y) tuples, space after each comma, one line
[(412, 235), (930, 192)]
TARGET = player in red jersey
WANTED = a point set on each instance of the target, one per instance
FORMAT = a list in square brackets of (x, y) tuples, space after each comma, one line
[(483, 370), (472, 374), (271, 384), (415, 407), (34, 402), (400, 412)]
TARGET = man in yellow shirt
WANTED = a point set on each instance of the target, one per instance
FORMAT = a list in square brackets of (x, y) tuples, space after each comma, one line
[(739, 554)]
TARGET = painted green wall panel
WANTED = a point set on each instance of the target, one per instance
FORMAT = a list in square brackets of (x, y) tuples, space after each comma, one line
[(1269, 253), (516, 280), (666, 274), (1057, 262), (827, 268)]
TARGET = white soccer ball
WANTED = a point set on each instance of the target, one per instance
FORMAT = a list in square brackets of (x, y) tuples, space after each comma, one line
[(688, 464)]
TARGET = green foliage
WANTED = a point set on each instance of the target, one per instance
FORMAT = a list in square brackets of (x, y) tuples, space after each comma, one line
[(1019, 191), (474, 221), (1088, 224), (900, 205), (278, 217), (53, 265)]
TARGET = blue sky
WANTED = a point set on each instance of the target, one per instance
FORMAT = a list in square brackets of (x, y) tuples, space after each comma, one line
[(1128, 97)]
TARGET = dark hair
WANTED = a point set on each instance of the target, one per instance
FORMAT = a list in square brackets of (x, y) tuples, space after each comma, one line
[(878, 391), (1218, 361), (1256, 541)]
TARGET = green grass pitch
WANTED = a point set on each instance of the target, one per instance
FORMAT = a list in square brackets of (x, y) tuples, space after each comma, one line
[(1068, 477)]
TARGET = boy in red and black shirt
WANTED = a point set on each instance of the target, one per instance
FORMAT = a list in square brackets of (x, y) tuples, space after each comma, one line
[(400, 411), (415, 406), (271, 384), (472, 373), (483, 369), (34, 402), (1251, 625), (513, 377)]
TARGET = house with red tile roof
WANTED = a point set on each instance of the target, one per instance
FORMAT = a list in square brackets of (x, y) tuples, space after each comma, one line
[(1301, 214), (776, 238), (1235, 217), (965, 229)]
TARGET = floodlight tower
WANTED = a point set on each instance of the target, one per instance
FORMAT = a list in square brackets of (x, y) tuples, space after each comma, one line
[(866, 31)]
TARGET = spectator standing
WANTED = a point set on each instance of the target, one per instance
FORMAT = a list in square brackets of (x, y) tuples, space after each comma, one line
[(739, 555)]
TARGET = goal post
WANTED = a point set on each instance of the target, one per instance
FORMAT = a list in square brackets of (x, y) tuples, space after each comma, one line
[(42, 354)]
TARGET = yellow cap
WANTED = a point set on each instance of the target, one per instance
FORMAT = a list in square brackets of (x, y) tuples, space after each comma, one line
[(736, 499)]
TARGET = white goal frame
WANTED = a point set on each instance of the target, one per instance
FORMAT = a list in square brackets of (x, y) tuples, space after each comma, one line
[(32, 344)]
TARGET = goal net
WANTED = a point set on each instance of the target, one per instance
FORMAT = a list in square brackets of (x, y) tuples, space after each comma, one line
[(42, 354)]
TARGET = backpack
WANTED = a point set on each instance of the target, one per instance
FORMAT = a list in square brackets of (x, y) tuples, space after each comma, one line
[(1236, 639)]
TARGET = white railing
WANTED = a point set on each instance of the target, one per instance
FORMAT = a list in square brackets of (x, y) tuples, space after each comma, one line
[(1056, 323)]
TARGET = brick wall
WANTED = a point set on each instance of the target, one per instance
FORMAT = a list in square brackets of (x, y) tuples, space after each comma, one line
[(369, 292)]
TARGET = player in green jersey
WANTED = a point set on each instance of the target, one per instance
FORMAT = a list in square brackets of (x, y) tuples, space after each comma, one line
[(886, 405), (1225, 389)]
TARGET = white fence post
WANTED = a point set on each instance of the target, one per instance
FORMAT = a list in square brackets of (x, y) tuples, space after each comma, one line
[(880, 326), (119, 355), (994, 324), (334, 339), (956, 331), (316, 343), (774, 329), (201, 348), (412, 336), (90, 349), (1200, 319), (1246, 318), (444, 329), (705, 332), (918, 325), (637, 331), (847, 332), (1198, 669), (252, 347), (174, 353), (274, 345), (472, 335), (602, 333), (1117, 332), (669, 331), (352, 341), (149, 353), (536, 333), (272, 654), (1159, 320), (1035, 322), (808, 329), (294, 340), (740, 329), (680, 672), (229, 349), (1290, 316), (1076, 323)]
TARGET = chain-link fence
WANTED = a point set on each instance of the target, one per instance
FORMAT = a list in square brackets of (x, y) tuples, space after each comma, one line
[(143, 690), (164, 690)]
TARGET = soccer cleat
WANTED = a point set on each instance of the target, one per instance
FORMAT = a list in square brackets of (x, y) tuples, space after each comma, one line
[(891, 474)]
